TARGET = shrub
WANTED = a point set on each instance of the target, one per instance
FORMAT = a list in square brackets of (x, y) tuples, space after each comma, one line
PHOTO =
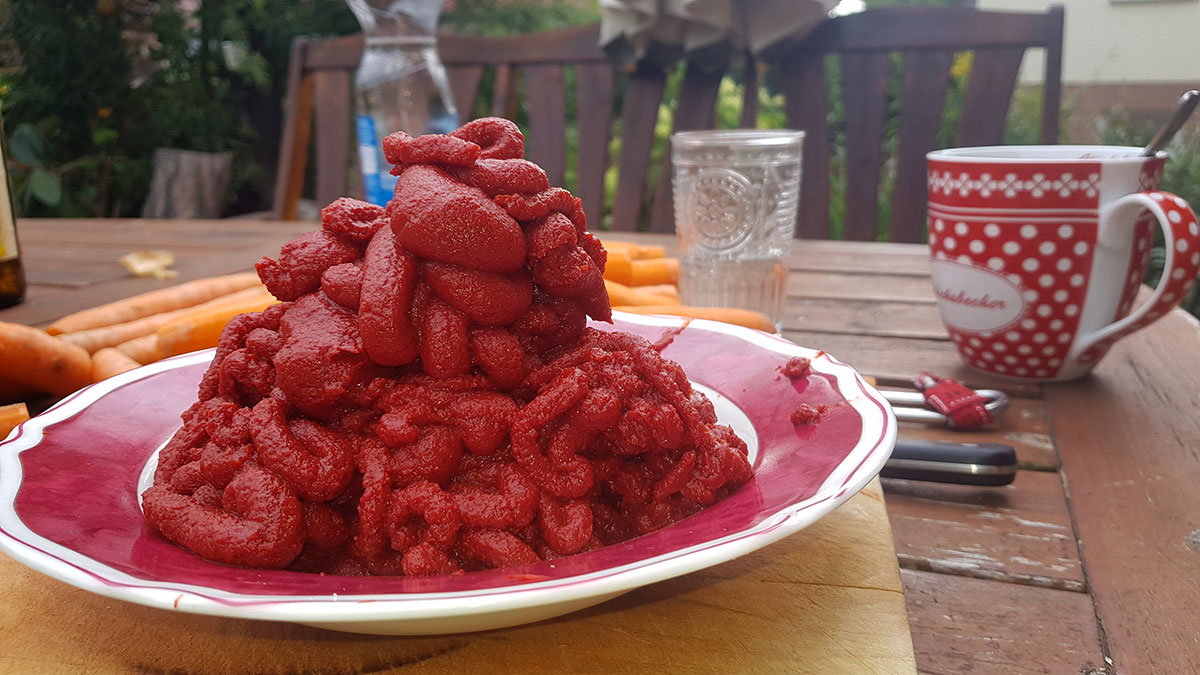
[(102, 84)]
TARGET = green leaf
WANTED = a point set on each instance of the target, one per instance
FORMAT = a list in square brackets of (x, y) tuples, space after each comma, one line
[(27, 146), (45, 187), (103, 136)]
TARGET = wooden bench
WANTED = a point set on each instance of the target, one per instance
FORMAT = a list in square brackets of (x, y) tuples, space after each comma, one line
[(530, 74)]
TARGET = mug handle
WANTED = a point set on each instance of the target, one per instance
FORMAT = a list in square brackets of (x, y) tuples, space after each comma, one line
[(1181, 235)]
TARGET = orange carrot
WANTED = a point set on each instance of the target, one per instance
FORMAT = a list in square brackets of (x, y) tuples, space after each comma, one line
[(654, 271), (142, 349), (201, 328), (668, 290), (11, 416), (154, 302), (635, 251), (109, 361), (741, 317), (30, 357), (619, 267), (620, 294), (113, 335)]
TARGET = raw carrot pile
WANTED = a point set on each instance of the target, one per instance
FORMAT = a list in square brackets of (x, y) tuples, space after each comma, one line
[(103, 341), (201, 327), (155, 302), (642, 280)]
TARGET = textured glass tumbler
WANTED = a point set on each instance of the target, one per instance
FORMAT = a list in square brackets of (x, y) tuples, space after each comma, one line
[(736, 194)]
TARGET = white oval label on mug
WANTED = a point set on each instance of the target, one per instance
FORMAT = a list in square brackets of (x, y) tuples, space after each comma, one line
[(973, 298)]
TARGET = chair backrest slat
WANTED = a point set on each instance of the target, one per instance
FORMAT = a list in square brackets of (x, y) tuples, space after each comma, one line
[(332, 94), (749, 116), (697, 109), (464, 87), (639, 115), (989, 92), (545, 142), (293, 147), (1052, 84), (928, 38), (864, 95), (593, 111), (806, 106), (504, 96), (897, 28), (926, 78)]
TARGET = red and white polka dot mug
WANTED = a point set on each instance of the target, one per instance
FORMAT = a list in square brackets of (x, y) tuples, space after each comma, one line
[(1039, 251)]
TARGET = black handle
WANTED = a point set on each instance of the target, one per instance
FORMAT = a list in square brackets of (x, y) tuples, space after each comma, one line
[(966, 463)]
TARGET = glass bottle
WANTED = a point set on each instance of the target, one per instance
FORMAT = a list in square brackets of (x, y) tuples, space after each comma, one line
[(400, 85), (12, 273)]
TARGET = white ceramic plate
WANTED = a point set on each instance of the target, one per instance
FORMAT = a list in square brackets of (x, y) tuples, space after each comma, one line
[(70, 480)]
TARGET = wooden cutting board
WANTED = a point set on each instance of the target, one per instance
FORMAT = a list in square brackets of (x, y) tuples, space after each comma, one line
[(826, 600)]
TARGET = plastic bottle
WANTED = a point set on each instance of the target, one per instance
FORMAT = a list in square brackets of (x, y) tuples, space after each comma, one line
[(400, 84), (12, 273)]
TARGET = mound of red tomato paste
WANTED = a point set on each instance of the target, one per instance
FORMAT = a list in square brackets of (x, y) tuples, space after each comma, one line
[(428, 399)]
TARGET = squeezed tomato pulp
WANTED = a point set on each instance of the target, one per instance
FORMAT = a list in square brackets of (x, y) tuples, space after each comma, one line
[(427, 399)]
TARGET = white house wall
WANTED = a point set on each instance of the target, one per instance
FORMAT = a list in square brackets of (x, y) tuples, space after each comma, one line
[(1119, 41)]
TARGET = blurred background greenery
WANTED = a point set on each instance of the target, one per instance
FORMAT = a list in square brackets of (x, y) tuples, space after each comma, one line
[(90, 88)]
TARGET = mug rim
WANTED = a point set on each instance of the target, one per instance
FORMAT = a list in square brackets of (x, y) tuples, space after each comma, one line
[(1052, 154)]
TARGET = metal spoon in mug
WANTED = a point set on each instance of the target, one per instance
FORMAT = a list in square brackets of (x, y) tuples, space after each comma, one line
[(1187, 103)]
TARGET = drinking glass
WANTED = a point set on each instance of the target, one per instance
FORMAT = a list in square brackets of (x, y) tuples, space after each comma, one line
[(736, 195)]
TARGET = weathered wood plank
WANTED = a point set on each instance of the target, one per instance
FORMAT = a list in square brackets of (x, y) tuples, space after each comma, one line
[(876, 248), (816, 253), (865, 317), (1019, 533), (962, 625), (866, 263), (1129, 437), (97, 254), (253, 241), (853, 286), (74, 274)]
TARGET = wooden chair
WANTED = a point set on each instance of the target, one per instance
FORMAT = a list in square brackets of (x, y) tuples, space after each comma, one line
[(926, 40), (533, 69)]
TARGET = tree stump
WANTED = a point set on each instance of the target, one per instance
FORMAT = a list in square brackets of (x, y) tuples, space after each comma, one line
[(188, 184)]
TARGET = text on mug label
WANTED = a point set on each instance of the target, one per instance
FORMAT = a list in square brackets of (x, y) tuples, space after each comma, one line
[(974, 298)]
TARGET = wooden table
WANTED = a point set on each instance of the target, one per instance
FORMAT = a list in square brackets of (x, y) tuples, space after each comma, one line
[(1088, 563), (826, 600)]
